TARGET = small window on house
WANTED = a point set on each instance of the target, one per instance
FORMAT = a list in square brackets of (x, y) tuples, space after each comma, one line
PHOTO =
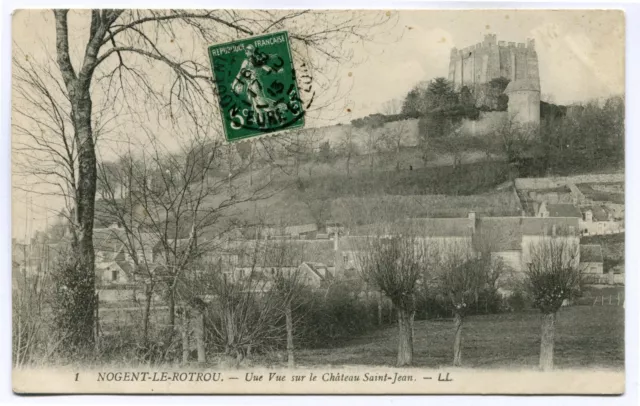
[(114, 276), (345, 258)]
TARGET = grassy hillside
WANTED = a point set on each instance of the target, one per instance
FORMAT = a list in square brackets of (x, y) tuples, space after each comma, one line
[(323, 193)]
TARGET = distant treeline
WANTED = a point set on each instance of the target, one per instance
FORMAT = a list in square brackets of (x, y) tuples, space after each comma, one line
[(438, 102)]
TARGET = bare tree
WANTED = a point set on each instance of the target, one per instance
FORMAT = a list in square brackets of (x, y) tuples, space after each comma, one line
[(512, 140), (347, 146), (253, 287), (31, 299), (373, 143), (287, 287), (463, 276), (394, 265), (553, 275), (175, 200), (396, 133), (123, 46), (241, 316), (453, 141)]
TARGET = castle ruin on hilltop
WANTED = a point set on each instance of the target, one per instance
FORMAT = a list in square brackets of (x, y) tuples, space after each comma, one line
[(478, 64)]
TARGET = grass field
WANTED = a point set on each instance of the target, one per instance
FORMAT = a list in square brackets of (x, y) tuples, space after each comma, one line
[(585, 337)]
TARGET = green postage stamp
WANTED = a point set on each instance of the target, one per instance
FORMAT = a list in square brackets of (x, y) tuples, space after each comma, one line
[(256, 84)]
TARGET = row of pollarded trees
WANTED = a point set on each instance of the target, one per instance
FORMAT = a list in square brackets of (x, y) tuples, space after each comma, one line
[(402, 266)]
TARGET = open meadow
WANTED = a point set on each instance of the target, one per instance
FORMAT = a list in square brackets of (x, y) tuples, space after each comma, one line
[(586, 337)]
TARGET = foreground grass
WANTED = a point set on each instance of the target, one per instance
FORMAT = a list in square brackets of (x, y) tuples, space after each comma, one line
[(585, 337)]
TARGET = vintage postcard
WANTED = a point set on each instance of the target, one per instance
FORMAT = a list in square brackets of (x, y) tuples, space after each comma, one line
[(318, 201)]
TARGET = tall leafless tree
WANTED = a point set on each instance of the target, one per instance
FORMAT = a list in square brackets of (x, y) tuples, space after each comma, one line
[(115, 69), (180, 201), (288, 287), (394, 265), (553, 275), (396, 134), (462, 277), (254, 289), (347, 147)]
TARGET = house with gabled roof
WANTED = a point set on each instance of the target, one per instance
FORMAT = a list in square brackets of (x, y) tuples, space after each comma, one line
[(444, 232), (502, 236), (598, 220), (558, 210), (114, 265), (591, 259), (268, 258)]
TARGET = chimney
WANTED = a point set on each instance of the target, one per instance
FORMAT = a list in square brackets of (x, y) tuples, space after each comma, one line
[(542, 211), (588, 216), (472, 219)]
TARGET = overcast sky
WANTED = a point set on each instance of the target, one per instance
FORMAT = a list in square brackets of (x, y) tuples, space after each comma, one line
[(580, 54)]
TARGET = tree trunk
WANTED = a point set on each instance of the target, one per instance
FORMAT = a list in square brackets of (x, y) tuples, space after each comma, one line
[(185, 337), (85, 203), (231, 336), (97, 319), (199, 333), (148, 296), (457, 341), (172, 310), (78, 92), (546, 343), (289, 322), (405, 338), (379, 308)]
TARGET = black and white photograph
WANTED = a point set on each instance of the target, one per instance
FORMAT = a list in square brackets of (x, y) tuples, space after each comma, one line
[(318, 201)]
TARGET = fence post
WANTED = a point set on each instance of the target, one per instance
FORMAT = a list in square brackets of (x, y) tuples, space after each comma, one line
[(609, 299), (618, 298), (185, 336), (199, 330)]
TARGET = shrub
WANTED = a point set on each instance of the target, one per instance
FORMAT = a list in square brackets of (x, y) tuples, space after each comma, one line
[(519, 301), (337, 314), (429, 308)]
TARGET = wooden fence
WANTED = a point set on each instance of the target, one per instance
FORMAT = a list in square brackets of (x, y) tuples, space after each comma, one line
[(609, 300)]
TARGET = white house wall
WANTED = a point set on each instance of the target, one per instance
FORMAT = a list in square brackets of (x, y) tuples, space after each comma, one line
[(529, 241)]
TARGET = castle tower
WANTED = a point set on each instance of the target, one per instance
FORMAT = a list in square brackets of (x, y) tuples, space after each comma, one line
[(524, 91), (524, 101), (479, 64)]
